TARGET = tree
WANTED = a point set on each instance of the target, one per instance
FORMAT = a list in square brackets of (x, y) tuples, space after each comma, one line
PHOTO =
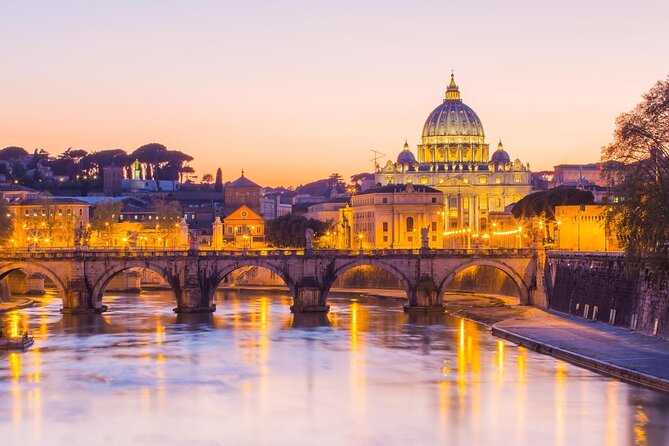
[(12, 153), (289, 230), (218, 185), (166, 224), (544, 202), (105, 217), (207, 178), (640, 205)]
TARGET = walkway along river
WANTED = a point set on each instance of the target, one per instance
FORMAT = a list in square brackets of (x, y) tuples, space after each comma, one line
[(253, 373)]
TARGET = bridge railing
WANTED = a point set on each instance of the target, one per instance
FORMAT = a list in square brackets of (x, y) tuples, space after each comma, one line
[(27, 254)]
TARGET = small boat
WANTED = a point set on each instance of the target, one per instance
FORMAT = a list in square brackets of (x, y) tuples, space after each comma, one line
[(18, 343)]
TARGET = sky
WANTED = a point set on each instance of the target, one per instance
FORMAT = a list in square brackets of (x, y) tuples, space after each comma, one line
[(292, 91)]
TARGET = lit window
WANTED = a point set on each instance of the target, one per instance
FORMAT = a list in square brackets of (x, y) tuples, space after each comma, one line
[(483, 179), (498, 180), (516, 178)]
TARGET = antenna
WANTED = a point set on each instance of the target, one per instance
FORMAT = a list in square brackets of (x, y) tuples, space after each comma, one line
[(377, 155)]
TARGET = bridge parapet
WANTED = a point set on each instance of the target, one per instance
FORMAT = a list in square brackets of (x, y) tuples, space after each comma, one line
[(194, 275)]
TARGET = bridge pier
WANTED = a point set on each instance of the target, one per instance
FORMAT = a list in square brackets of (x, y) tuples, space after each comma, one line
[(193, 300), (309, 298), (424, 298), (78, 300)]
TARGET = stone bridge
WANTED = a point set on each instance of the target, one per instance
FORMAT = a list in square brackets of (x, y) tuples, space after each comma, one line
[(82, 275)]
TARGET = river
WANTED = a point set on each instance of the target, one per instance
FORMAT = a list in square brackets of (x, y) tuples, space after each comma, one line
[(253, 373)]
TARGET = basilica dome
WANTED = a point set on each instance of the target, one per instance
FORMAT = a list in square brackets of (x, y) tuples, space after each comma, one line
[(453, 132), (452, 117), (406, 156), (500, 156)]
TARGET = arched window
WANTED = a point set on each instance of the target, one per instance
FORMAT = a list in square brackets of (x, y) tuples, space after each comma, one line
[(409, 224)]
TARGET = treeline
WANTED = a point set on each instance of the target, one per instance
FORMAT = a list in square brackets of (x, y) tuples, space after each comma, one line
[(288, 231), (156, 162)]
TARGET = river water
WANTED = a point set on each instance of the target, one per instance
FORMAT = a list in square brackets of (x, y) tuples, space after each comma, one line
[(253, 373)]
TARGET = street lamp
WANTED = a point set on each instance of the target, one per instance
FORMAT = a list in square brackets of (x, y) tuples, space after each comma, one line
[(360, 238)]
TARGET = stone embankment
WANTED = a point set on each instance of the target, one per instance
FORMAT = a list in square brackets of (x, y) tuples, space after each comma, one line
[(606, 349)]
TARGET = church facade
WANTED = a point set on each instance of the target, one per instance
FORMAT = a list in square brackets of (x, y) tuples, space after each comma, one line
[(453, 157)]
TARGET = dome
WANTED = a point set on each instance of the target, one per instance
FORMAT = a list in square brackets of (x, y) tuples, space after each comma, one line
[(452, 117), (500, 155), (406, 156)]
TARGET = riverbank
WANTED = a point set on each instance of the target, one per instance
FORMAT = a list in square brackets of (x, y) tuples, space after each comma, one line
[(16, 304), (609, 350)]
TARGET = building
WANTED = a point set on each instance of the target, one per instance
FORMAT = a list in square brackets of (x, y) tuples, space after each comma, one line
[(327, 210), (453, 157), (244, 228), (14, 193), (271, 207), (583, 228), (54, 222), (242, 192), (392, 216), (112, 177)]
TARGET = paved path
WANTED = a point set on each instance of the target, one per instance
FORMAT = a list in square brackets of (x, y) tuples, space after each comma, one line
[(613, 351), (16, 304)]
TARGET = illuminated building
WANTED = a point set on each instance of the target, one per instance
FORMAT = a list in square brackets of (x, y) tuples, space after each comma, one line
[(244, 228), (391, 217), (48, 221), (583, 228), (454, 158)]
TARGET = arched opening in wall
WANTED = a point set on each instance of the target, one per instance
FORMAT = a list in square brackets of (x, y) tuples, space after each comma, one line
[(22, 283), (483, 280), (251, 296), (368, 282), (136, 289)]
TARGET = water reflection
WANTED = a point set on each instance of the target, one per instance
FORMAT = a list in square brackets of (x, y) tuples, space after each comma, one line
[(366, 373)]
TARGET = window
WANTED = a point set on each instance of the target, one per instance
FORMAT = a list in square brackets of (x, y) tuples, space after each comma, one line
[(516, 178), (498, 180), (385, 226), (454, 202), (465, 180), (483, 179), (434, 199), (483, 202), (423, 179), (409, 224), (385, 199), (385, 238), (434, 226)]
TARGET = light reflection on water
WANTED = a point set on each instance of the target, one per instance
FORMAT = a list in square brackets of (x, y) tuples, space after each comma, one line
[(253, 373)]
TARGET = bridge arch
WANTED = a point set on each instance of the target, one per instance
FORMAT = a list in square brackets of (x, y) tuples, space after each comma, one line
[(18, 266), (342, 268), (523, 289), (228, 268), (101, 283)]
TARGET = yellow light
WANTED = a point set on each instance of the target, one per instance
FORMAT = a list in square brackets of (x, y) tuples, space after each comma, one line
[(125, 239)]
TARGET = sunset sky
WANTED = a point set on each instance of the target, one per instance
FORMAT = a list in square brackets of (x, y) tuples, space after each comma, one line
[(292, 91)]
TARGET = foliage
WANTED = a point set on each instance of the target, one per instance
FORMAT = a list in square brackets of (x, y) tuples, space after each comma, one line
[(105, 217), (640, 208), (12, 153), (218, 185), (289, 230), (207, 178), (544, 202), (168, 215), (324, 186)]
